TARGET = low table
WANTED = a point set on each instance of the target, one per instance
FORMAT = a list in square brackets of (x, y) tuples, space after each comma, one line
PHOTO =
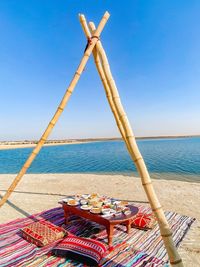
[(109, 222)]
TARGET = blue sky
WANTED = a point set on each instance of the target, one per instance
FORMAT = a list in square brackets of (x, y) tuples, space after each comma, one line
[(154, 53)]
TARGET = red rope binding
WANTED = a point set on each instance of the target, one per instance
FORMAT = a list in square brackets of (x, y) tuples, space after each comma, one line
[(89, 42)]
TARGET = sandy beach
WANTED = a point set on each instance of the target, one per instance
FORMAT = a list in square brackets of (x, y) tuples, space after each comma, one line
[(38, 192), (29, 143), (4, 146)]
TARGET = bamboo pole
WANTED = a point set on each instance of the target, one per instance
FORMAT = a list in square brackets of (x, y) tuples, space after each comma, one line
[(138, 160), (102, 76), (59, 110)]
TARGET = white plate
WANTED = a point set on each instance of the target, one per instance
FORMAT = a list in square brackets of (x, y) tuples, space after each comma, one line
[(83, 202), (106, 211), (75, 204), (86, 207), (93, 211), (106, 215)]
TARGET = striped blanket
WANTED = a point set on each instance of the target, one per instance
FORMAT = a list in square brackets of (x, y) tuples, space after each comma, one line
[(139, 248)]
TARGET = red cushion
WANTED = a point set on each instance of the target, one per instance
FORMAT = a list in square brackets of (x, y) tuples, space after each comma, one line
[(42, 233), (85, 250), (144, 221)]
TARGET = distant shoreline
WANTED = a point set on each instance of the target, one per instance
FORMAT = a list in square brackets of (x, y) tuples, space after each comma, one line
[(31, 143), (28, 144)]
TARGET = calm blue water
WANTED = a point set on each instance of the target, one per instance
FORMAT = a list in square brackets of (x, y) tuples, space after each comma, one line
[(179, 156)]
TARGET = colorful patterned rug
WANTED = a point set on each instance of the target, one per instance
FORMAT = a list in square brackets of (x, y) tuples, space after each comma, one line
[(139, 248)]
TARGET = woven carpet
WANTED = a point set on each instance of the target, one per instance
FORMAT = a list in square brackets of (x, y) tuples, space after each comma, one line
[(139, 248)]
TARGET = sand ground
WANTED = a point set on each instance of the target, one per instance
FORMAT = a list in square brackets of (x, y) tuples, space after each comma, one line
[(37, 192)]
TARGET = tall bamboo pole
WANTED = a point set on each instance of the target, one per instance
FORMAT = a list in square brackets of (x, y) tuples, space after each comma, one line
[(138, 160), (102, 76), (59, 110)]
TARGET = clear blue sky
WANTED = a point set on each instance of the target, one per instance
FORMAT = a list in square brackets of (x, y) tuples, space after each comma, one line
[(154, 52)]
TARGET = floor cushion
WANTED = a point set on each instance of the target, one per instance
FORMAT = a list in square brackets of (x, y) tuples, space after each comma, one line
[(144, 221), (42, 233), (85, 250)]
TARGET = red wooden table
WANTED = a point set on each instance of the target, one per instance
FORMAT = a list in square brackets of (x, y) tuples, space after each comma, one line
[(108, 222)]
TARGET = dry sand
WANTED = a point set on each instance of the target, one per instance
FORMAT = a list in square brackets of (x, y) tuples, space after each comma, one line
[(38, 192)]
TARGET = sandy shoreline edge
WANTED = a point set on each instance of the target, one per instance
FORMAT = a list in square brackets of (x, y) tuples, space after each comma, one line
[(14, 146), (29, 143)]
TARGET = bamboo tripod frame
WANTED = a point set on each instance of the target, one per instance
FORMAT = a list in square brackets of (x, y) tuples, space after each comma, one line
[(122, 122), (59, 110)]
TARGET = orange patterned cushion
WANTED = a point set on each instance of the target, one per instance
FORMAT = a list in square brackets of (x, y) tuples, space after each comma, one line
[(144, 221), (42, 233)]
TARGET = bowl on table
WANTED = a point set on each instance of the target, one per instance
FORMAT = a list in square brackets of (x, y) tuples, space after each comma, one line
[(83, 201), (96, 210), (86, 207), (72, 202), (106, 211)]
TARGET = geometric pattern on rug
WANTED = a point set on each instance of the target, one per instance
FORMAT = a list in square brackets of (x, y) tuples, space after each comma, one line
[(138, 248)]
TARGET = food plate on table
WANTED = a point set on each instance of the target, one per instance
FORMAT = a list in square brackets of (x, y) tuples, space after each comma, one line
[(72, 202), (127, 211), (83, 202), (106, 216), (106, 211), (96, 204), (120, 208), (95, 210), (65, 200), (86, 207), (94, 196)]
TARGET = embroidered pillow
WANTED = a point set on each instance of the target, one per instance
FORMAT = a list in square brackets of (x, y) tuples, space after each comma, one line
[(144, 221), (85, 250), (42, 233)]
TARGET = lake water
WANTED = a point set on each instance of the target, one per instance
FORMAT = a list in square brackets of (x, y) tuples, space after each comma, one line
[(177, 158)]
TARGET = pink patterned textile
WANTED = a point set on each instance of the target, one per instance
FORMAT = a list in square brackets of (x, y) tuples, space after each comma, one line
[(85, 250), (139, 248)]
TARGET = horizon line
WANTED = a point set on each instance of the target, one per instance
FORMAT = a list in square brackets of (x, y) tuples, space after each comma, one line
[(101, 138)]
